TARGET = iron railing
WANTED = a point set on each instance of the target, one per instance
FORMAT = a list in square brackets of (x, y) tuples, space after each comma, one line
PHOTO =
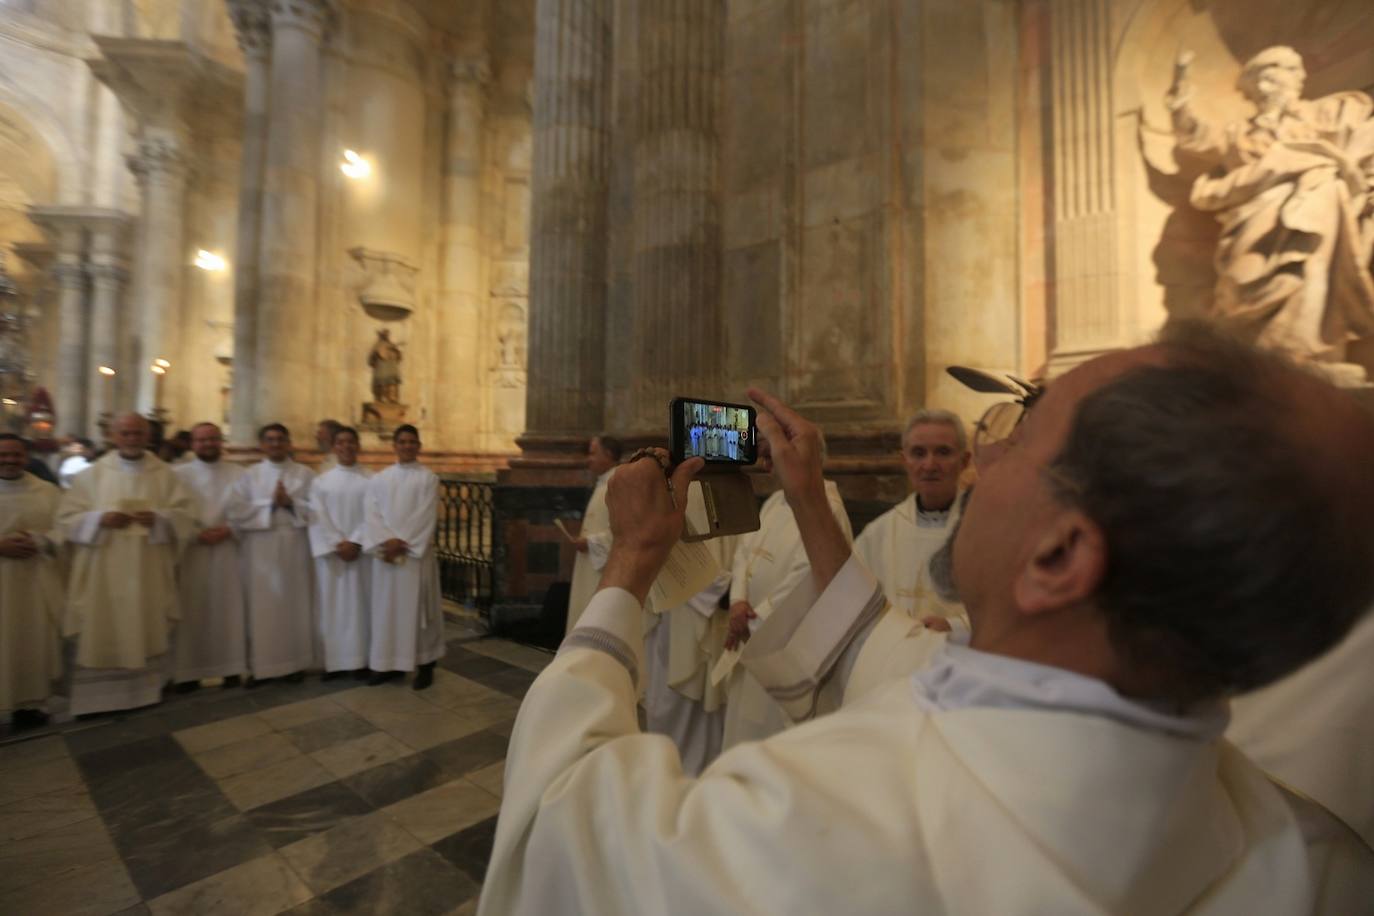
[(462, 540)]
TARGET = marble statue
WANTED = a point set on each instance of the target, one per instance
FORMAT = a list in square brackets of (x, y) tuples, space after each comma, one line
[(1291, 188), (385, 360)]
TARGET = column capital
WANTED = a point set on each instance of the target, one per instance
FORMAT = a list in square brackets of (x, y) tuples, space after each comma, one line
[(313, 17), (110, 276), (253, 27), (69, 274), (159, 159), (469, 71)]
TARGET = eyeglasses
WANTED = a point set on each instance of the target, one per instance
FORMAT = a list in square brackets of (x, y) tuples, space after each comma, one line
[(996, 425)]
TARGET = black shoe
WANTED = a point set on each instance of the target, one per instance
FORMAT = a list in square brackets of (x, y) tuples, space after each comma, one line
[(231, 681), (381, 677), (362, 674), (28, 718), (424, 677), (295, 677), (186, 687), (331, 675), (252, 683)]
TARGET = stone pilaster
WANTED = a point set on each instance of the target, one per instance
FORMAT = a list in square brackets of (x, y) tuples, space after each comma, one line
[(677, 337), (566, 390), (253, 26), (460, 296), (108, 277), (287, 241), (1086, 316), (72, 376)]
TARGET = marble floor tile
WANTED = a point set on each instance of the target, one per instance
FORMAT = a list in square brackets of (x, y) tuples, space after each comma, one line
[(41, 813), (247, 755), (97, 889), (260, 787), (214, 707), (290, 715), (260, 887), (138, 909), (355, 847), (360, 754), (39, 778), (503, 727), (511, 653), (490, 778), (420, 884), (111, 763), (55, 854), (467, 909), (515, 682), (470, 664), (425, 728), (444, 810), (20, 754), (310, 812), (208, 737), (98, 735), (470, 848), (177, 854), (471, 752), (400, 779), (329, 731), (388, 699)]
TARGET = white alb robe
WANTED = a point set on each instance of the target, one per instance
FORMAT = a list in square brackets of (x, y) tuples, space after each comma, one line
[(407, 606), (338, 503), (122, 597), (998, 787), (768, 565), (587, 565), (896, 547), (31, 596), (209, 639), (277, 569)]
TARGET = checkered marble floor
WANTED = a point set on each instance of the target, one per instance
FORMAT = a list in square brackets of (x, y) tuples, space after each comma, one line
[(316, 798)]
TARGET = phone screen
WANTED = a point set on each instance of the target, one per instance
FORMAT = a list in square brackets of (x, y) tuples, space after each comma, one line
[(719, 432)]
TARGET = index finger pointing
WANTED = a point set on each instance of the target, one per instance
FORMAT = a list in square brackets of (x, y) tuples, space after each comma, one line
[(788, 418)]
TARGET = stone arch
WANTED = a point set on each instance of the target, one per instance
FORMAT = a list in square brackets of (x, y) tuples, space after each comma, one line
[(29, 112)]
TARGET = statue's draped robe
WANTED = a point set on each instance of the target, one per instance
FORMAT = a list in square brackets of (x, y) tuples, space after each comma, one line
[(122, 596), (768, 565), (407, 606), (282, 632), (1297, 243), (338, 502), (1000, 787), (210, 638), (587, 565), (31, 596)]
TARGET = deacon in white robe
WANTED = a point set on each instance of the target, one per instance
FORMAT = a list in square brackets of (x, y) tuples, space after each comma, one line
[(31, 592), (270, 508), (593, 542), (768, 565), (210, 640), (127, 518), (897, 545), (407, 606), (989, 784), (343, 575)]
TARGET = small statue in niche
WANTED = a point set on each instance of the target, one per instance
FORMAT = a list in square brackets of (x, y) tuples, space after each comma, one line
[(1291, 188), (385, 360), (512, 341)]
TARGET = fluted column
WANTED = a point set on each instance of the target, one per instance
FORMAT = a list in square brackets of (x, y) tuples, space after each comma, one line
[(568, 214), (107, 279), (70, 393), (678, 340), (285, 326), (461, 294), (252, 24), (160, 167)]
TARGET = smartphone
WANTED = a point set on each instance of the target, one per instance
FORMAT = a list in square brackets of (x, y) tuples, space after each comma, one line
[(719, 432)]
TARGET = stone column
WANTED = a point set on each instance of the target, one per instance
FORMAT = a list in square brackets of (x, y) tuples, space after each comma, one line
[(284, 346), (568, 233), (107, 279), (160, 167), (71, 376), (460, 296), (252, 23), (1086, 316), (677, 341)]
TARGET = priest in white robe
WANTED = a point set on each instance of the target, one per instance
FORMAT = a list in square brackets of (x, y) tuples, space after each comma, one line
[(269, 507), (407, 606), (210, 639), (31, 591), (1040, 769), (768, 564), (593, 542), (897, 545), (343, 575), (127, 519)]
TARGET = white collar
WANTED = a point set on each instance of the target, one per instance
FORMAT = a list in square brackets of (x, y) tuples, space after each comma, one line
[(132, 466)]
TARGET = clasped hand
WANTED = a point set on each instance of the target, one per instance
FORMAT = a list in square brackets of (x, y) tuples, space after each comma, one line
[(212, 536), (393, 548), (347, 551), (19, 546), (280, 498), (146, 518)]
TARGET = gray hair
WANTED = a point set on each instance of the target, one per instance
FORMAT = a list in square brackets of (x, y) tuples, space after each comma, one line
[(1238, 549), (937, 415)]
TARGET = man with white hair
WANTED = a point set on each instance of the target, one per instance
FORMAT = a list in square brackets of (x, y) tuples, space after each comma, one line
[(128, 517), (897, 545)]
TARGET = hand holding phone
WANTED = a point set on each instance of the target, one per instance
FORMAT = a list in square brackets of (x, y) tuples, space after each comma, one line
[(716, 431)]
